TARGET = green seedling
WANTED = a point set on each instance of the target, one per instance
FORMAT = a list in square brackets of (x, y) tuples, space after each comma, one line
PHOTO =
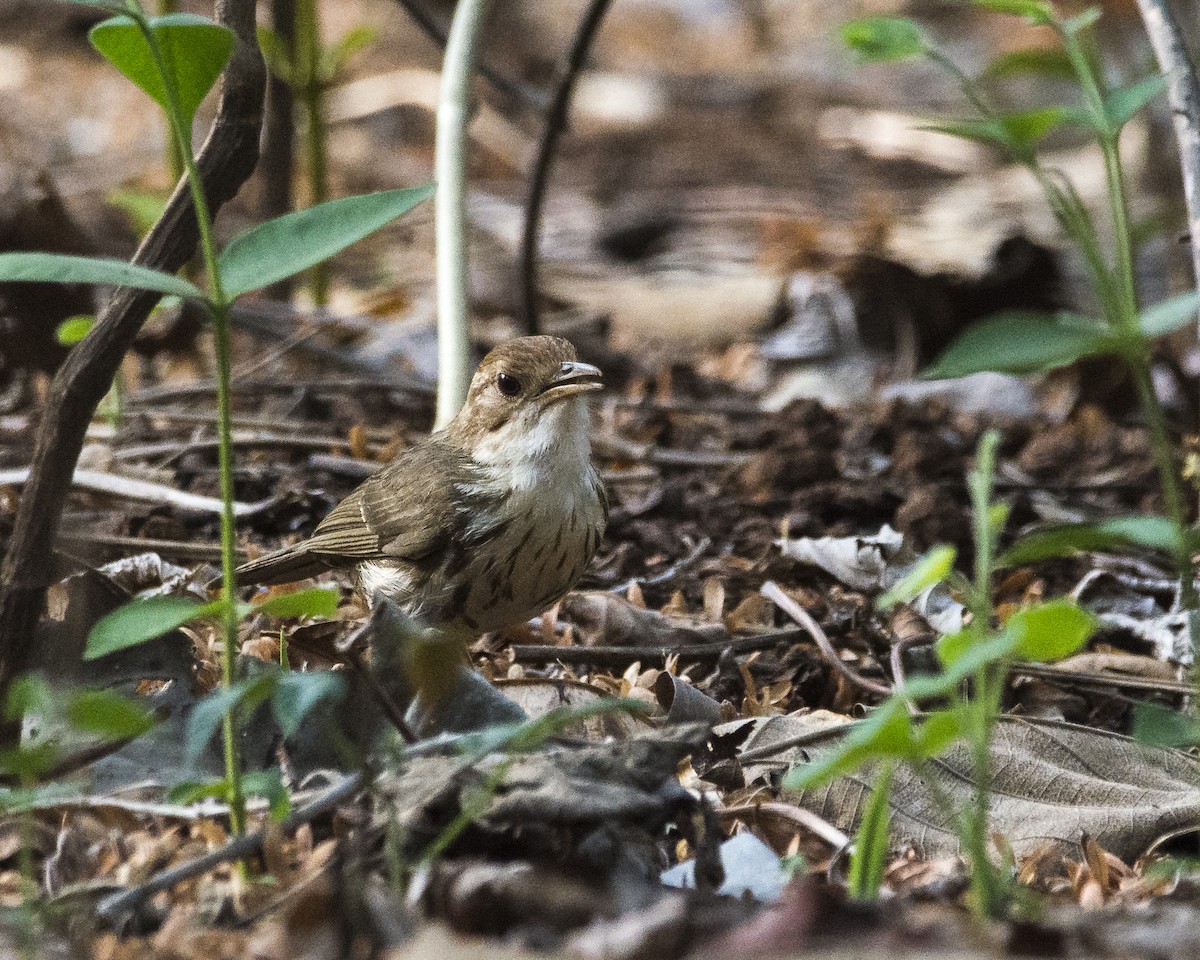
[(974, 665), (176, 59), (1026, 342)]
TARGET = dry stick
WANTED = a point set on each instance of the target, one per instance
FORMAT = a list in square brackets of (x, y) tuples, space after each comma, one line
[(144, 491), (1183, 92), (610, 445), (179, 549), (772, 591), (225, 162), (670, 573), (608, 656), (552, 128), (785, 811), (116, 906)]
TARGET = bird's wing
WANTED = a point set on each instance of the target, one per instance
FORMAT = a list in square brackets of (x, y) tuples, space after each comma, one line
[(404, 512)]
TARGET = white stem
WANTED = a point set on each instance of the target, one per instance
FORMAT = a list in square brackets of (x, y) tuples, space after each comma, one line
[(450, 171), (1184, 95)]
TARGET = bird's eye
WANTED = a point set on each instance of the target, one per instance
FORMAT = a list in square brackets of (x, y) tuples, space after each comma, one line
[(507, 384)]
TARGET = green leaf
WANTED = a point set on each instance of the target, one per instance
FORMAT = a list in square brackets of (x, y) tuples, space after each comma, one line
[(1050, 630), (297, 693), (267, 783), (1157, 533), (883, 39), (1121, 104), (1038, 61), (139, 621), (317, 602), (871, 841), (29, 693), (1081, 21), (143, 208), (207, 715), (937, 731), (336, 57), (72, 330), (932, 568), (194, 51), (296, 241), (1168, 315), (1017, 132), (108, 715), (64, 268), (964, 654), (193, 791), (1159, 726), (1039, 12), (1020, 342), (277, 54)]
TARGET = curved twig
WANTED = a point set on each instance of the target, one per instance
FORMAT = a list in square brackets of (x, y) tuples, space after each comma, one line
[(225, 162), (772, 591), (552, 129)]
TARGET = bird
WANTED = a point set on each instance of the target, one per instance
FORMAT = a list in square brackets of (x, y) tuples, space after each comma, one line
[(485, 523)]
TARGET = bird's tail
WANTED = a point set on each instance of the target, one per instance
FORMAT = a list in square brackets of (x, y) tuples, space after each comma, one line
[(281, 566)]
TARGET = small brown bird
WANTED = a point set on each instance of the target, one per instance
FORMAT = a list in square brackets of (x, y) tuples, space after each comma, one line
[(485, 523)]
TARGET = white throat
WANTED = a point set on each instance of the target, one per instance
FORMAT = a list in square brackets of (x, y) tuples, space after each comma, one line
[(548, 448)]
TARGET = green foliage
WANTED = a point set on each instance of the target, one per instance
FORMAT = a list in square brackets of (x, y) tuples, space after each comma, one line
[(1021, 342), (883, 39), (287, 245), (980, 654), (1153, 532), (292, 696), (931, 569), (871, 842), (1038, 12), (317, 602), (192, 51), (1034, 61), (65, 268), (141, 620), (143, 208), (1161, 726), (72, 330), (259, 783), (1018, 132), (107, 714)]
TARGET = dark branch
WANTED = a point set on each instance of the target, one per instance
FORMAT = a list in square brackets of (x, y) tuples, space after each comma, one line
[(552, 130)]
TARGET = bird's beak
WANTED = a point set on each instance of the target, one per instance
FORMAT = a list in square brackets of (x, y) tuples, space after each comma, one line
[(574, 378)]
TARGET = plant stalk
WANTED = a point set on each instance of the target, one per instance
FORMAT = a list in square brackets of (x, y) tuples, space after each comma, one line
[(450, 207), (219, 306), (312, 93)]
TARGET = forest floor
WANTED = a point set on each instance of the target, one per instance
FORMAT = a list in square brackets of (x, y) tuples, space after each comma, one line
[(750, 239)]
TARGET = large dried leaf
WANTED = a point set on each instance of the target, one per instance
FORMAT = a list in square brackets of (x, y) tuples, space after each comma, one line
[(1052, 782)]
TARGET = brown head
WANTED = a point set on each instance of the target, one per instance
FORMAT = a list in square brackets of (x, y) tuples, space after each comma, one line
[(526, 397)]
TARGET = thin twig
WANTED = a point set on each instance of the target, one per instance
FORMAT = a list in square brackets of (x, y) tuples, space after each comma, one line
[(180, 549), (1183, 91), (607, 656), (785, 811), (773, 592), (552, 128), (610, 445), (239, 848), (390, 710), (127, 488), (670, 573)]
